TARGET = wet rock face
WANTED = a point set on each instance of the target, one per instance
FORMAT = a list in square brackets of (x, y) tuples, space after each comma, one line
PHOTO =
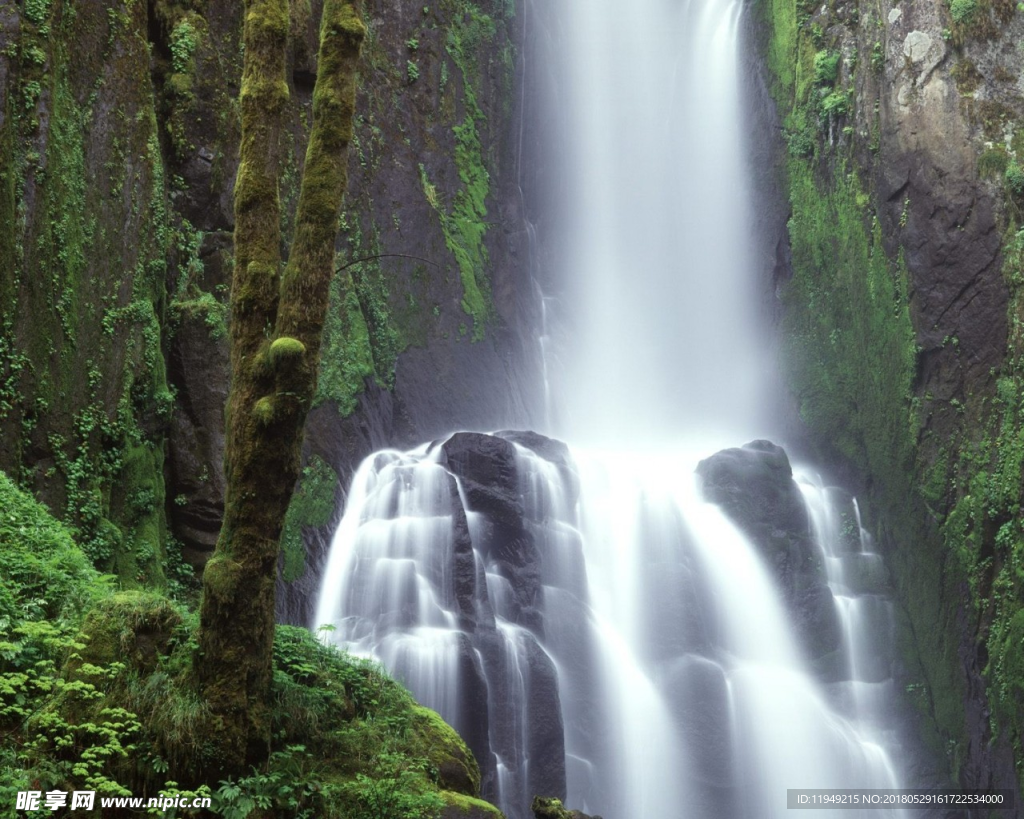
[(488, 471), (754, 486), (486, 467)]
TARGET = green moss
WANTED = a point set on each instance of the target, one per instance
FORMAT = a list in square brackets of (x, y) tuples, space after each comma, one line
[(131, 627), (285, 349), (465, 223), (470, 806), (847, 303), (312, 505), (204, 307), (364, 735), (137, 503), (263, 411), (431, 738), (993, 163)]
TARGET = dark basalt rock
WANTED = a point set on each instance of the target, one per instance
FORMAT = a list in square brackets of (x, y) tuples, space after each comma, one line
[(698, 694), (486, 467), (549, 449), (754, 486), (488, 471)]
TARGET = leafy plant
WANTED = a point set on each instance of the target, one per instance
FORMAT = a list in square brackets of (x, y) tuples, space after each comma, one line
[(393, 791), (836, 104), (963, 11), (1015, 179), (826, 67)]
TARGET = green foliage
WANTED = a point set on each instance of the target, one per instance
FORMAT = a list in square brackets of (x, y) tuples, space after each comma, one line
[(963, 11), (877, 58), (36, 11), (183, 42), (53, 698), (1015, 179), (43, 574), (826, 67), (312, 505), (393, 790), (835, 104), (412, 71), (993, 163), (286, 787), (355, 743)]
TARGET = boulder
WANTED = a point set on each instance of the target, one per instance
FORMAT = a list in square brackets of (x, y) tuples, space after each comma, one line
[(754, 487), (549, 808)]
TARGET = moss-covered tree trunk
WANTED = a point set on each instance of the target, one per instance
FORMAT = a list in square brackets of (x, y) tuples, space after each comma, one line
[(276, 324)]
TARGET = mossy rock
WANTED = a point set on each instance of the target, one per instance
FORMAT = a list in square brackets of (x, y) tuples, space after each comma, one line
[(460, 806), (550, 808), (132, 627), (433, 739)]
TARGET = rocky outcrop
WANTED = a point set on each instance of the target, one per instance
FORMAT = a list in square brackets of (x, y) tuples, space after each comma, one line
[(550, 808), (509, 705), (903, 126), (754, 486)]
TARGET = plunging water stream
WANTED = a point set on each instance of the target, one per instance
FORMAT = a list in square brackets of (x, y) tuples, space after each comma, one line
[(586, 620)]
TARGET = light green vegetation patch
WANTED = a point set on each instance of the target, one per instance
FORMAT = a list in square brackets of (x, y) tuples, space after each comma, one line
[(312, 505)]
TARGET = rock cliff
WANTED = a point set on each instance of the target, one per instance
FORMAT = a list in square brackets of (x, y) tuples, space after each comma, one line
[(119, 131), (898, 289)]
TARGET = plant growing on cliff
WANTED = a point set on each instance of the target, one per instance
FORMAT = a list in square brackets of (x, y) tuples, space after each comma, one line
[(963, 11), (826, 67), (1015, 180), (276, 328)]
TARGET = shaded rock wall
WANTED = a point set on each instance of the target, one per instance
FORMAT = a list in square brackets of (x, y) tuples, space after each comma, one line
[(119, 132), (901, 125)]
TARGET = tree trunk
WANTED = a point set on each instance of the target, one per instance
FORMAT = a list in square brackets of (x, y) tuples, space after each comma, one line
[(276, 326)]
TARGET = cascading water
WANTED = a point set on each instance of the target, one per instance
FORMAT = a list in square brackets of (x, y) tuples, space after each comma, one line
[(587, 621), (596, 616)]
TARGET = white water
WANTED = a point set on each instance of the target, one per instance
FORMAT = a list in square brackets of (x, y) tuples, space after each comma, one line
[(680, 687), (644, 643), (656, 253)]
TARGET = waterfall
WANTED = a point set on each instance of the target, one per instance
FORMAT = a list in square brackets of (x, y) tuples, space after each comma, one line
[(656, 258), (600, 623), (594, 627)]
